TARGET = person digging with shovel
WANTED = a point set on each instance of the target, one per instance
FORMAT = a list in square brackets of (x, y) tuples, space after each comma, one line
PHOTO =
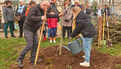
[(86, 28), (31, 26)]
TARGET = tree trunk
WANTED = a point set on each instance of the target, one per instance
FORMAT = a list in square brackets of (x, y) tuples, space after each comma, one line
[(102, 4), (113, 2)]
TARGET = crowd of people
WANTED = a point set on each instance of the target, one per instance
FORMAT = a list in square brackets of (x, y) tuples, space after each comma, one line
[(31, 17)]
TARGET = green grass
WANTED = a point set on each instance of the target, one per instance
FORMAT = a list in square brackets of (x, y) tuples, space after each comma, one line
[(118, 66), (11, 48), (8, 51), (113, 51)]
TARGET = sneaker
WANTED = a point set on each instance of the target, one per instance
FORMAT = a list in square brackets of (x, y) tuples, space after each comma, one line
[(54, 41), (85, 64), (50, 41), (83, 56)]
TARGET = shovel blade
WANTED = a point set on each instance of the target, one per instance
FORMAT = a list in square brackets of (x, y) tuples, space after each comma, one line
[(103, 43)]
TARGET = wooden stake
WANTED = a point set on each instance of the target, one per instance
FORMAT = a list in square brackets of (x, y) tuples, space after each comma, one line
[(40, 38), (61, 39), (100, 31), (104, 26)]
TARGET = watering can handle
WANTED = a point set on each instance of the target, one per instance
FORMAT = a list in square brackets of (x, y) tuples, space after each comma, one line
[(75, 38)]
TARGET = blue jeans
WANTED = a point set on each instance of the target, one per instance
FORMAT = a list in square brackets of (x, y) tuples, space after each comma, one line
[(48, 33), (87, 42)]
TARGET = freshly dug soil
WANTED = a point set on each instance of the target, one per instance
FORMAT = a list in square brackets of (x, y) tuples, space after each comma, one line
[(69, 61)]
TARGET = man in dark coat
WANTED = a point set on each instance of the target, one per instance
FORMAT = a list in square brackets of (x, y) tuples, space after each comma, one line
[(86, 28), (31, 26)]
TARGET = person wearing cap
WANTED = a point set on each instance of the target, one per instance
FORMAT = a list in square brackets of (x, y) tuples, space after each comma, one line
[(20, 20), (8, 16), (31, 25)]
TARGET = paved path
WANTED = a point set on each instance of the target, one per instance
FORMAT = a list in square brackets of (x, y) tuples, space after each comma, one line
[(2, 35)]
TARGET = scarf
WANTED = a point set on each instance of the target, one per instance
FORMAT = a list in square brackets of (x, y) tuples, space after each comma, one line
[(20, 9)]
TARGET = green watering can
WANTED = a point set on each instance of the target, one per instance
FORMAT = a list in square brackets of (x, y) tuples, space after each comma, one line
[(74, 47)]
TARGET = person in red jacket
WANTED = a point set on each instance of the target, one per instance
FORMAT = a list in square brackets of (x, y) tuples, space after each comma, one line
[(52, 24)]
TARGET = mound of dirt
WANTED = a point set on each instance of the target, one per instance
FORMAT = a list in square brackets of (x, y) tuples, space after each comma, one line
[(69, 61)]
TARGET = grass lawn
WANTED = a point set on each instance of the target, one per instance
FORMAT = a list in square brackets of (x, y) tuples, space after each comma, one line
[(113, 51), (11, 48)]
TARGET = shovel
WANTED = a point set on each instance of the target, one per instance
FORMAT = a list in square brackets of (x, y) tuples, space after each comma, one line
[(103, 42), (40, 38), (109, 41)]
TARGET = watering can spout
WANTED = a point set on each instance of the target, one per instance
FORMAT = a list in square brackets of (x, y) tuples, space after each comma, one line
[(66, 47)]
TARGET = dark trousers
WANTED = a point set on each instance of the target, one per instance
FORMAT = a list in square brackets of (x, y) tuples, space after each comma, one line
[(31, 44), (53, 32), (69, 31), (21, 28), (9, 24)]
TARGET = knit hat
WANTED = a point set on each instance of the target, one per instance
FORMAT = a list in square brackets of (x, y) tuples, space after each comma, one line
[(32, 2)]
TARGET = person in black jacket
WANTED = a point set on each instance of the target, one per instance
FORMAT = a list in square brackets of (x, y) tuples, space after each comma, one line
[(86, 28), (19, 13), (31, 25)]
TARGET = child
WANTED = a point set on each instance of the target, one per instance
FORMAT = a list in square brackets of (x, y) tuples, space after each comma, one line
[(52, 20)]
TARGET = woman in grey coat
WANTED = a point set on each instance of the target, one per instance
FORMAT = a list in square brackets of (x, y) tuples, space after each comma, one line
[(67, 20), (8, 15)]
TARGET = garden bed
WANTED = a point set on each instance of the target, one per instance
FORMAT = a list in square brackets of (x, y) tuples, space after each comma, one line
[(69, 61)]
